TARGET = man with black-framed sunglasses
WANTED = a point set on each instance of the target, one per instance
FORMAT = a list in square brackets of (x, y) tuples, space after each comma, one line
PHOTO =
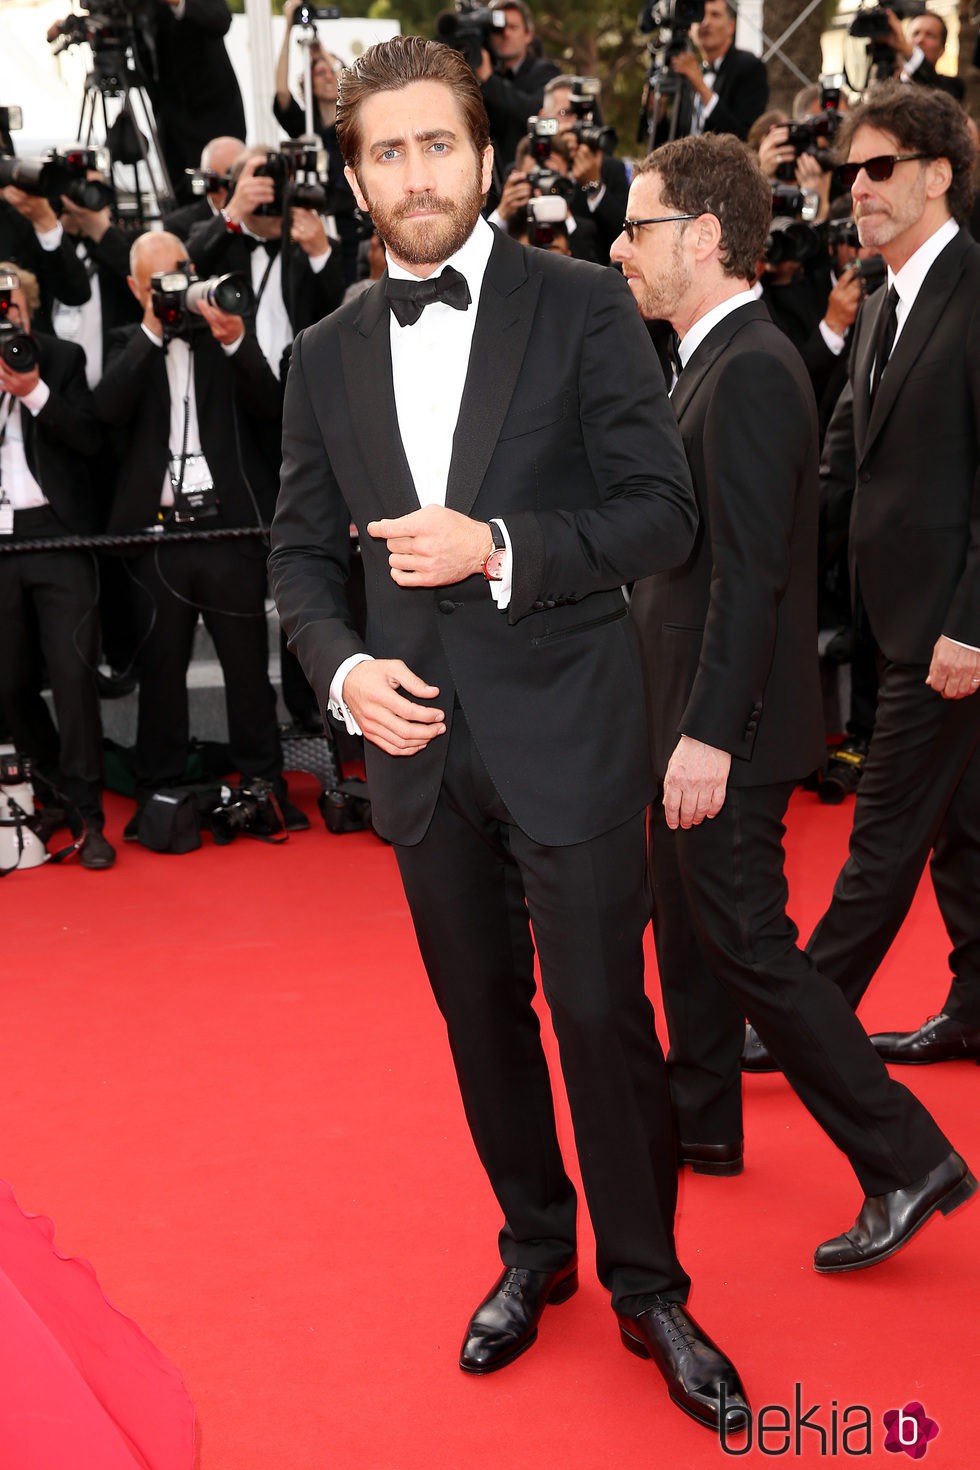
[(904, 443)]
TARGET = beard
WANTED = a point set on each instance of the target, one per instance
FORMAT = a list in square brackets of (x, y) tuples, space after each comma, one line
[(659, 298), (417, 242)]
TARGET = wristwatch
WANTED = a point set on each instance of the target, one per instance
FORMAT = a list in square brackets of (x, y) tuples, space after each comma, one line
[(493, 562)]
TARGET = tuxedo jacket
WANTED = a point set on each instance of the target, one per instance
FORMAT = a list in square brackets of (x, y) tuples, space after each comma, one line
[(912, 462), (60, 273), (609, 213), (133, 398), (730, 637), (565, 433), (308, 295), (61, 440), (742, 87)]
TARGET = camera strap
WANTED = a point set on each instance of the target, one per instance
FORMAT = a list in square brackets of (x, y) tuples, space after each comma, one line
[(194, 493), (270, 258), (6, 508)]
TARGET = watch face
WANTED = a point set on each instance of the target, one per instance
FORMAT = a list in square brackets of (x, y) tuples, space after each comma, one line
[(493, 567)]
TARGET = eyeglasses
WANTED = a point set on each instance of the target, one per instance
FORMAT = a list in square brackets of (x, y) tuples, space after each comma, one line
[(877, 169), (631, 226)]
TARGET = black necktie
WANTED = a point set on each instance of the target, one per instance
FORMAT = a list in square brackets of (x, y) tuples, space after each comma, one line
[(674, 356), (408, 299), (884, 338)]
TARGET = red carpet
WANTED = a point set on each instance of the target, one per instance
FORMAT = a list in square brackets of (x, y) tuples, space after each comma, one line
[(225, 1081)]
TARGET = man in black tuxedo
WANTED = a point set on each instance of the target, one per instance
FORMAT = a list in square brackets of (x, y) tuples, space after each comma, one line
[(727, 90), (920, 48), (218, 157), (600, 199), (730, 657), (909, 450), (32, 236), (184, 411), (513, 78), (500, 434), (48, 436)]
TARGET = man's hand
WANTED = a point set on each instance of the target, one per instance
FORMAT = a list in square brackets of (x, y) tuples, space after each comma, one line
[(844, 302), (306, 228), (897, 37), (19, 384), (395, 724), (695, 783), (809, 175), (434, 546), (225, 328), (92, 223), (249, 192), (776, 149), (484, 70), (38, 211), (687, 65), (514, 195), (587, 165), (955, 671)]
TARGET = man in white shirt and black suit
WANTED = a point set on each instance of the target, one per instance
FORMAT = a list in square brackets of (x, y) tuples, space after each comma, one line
[(504, 422)]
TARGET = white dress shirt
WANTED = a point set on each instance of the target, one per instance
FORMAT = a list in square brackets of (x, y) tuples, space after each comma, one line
[(17, 485)]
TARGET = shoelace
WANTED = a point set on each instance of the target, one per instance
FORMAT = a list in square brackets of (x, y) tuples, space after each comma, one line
[(514, 1281), (677, 1323)]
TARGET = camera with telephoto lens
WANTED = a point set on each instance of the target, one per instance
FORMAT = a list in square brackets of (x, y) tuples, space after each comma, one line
[(792, 235), (671, 20), (298, 173), (251, 809), (583, 101), (177, 298), (17, 348), (468, 29), (814, 136), (843, 233), (871, 24), (62, 171)]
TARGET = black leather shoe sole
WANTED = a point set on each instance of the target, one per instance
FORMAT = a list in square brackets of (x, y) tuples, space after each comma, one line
[(559, 1293), (952, 1200), (724, 1160)]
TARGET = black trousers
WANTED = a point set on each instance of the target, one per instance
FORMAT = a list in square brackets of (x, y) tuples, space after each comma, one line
[(477, 886), (728, 949), (919, 795), (49, 617), (225, 582)]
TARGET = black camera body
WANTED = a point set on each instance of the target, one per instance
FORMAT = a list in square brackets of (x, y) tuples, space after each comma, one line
[(177, 297), (674, 15), (812, 135), (297, 171), (62, 171), (584, 103), (873, 25), (308, 15), (468, 29), (792, 236), (205, 181), (17, 348), (545, 181), (251, 809)]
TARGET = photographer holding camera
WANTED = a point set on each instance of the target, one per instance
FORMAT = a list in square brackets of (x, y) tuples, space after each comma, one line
[(48, 433), (600, 198), (920, 47), (727, 89), (32, 236), (512, 76), (295, 284), (543, 168), (184, 390), (210, 184)]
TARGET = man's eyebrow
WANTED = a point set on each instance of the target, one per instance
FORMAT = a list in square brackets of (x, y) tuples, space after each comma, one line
[(426, 135)]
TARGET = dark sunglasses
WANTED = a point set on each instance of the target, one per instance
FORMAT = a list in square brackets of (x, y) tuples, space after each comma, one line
[(631, 226), (877, 169)]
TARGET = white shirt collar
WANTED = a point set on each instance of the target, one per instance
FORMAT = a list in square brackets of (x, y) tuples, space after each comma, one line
[(908, 281), (695, 335)]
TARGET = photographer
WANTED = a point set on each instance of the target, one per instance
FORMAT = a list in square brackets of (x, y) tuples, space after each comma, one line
[(920, 48), (48, 434), (513, 78), (31, 235), (183, 401), (103, 250), (294, 286), (602, 183), (217, 158), (531, 178), (728, 89), (290, 114)]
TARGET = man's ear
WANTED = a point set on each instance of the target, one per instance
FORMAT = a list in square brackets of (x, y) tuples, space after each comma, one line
[(355, 183)]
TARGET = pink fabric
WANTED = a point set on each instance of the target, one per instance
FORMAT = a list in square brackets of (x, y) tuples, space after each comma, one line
[(80, 1385)]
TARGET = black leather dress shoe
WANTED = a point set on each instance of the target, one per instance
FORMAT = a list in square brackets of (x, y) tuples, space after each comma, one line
[(756, 1056), (888, 1221), (711, 1158), (505, 1323), (96, 851), (940, 1039), (699, 1378)]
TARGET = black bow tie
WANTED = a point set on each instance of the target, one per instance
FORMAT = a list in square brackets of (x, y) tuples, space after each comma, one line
[(408, 299), (271, 247)]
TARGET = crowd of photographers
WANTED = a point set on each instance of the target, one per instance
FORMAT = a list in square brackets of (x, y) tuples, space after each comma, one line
[(142, 370)]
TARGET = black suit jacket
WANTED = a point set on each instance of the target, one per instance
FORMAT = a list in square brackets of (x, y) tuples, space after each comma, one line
[(133, 398), (61, 275), (308, 294), (566, 433), (609, 213), (913, 464), (510, 99), (730, 638), (61, 440), (742, 87)]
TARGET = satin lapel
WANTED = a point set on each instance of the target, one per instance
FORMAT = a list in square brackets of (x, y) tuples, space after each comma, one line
[(929, 305), (365, 349), (708, 350), (503, 325)]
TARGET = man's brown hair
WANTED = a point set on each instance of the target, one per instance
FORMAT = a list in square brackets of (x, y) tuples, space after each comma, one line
[(716, 174), (921, 120), (391, 65)]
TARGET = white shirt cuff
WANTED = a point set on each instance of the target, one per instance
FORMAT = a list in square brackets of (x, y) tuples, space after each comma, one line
[(50, 239), (317, 262), (709, 107), (37, 398), (500, 590), (335, 699), (971, 646), (914, 62), (157, 341), (833, 339), (230, 348)]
